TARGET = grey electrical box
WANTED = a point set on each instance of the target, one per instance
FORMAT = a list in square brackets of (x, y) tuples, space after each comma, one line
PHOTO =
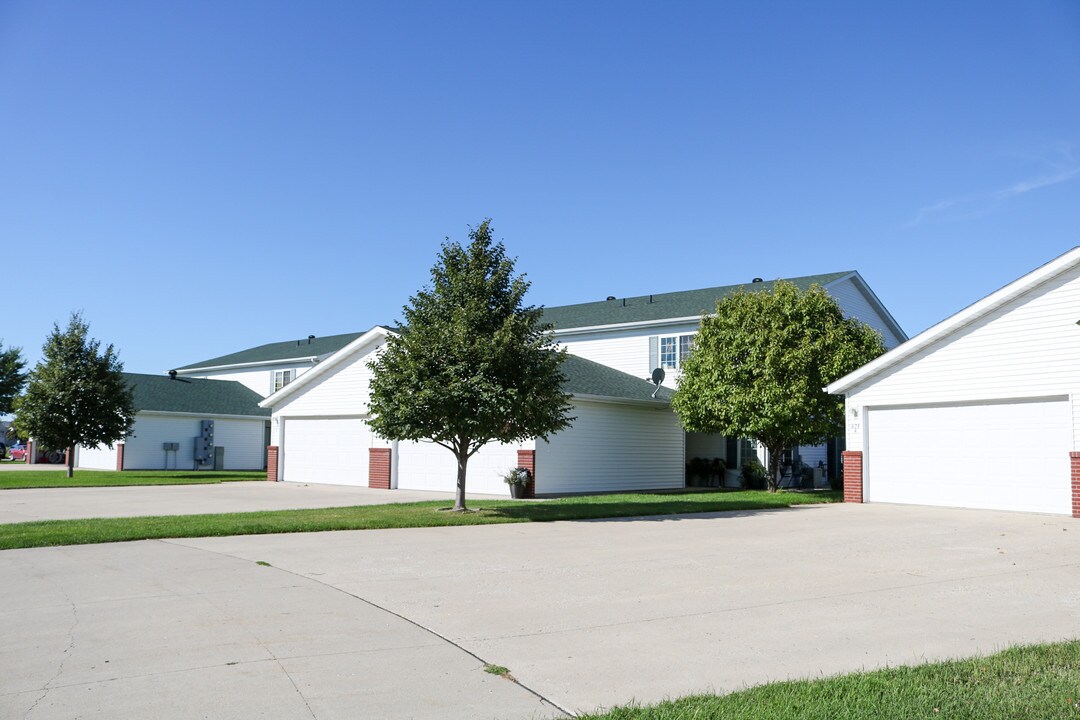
[(219, 457), (204, 443), (170, 446)]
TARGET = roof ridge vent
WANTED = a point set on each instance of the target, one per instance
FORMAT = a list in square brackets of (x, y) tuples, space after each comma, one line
[(757, 280)]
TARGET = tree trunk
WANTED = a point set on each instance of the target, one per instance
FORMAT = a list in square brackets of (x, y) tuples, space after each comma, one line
[(70, 461), (462, 464), (772, 482)]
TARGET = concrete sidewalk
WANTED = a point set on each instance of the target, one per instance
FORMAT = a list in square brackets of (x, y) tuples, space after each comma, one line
[(138, 500), (398, 623)]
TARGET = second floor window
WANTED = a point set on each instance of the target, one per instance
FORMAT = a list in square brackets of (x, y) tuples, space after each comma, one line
[(674, 350), (282, 378)]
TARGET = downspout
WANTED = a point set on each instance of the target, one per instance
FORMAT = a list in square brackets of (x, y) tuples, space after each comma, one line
[(393, 464)]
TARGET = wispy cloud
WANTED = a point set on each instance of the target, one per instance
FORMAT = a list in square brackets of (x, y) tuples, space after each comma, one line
[(1062, 168), (1026, 186)]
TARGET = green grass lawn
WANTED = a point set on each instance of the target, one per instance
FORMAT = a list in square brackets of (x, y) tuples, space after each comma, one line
[(1036, 681), (22, 479), (401, 515)]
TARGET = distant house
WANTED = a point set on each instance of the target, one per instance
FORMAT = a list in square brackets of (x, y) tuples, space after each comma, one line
[(980, 411), (172, 410), (637, 334), (623, 437)]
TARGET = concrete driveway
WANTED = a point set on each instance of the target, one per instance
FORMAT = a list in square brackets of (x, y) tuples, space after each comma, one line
[(398, 623), (138, 500)]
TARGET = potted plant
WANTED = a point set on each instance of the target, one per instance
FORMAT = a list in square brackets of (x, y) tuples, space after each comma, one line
[(517, 478)]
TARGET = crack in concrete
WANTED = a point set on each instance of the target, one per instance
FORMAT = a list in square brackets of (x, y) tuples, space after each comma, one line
[(414, 623), (273, 657), (49, 684)]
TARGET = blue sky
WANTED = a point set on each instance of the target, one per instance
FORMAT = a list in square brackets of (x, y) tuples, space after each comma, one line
[(201, 177)]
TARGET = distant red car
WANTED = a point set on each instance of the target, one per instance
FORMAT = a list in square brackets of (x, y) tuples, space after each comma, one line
[(17, 452)]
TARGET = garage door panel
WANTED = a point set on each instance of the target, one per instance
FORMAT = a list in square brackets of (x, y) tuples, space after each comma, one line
[(1009, 456), (326, 450)]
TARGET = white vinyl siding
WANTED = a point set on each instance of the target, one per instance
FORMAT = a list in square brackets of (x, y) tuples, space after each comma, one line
[(1030, 347), (333, 451), (242, 439), (630, 354), (343, 391), (855, 304), (427, 466), (96, 458), (259, 378), (611, 448), (1007, 456)]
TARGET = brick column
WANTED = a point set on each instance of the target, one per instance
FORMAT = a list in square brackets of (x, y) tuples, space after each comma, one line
[(272, 463), (120, 456), (527, 460), (853, 476), (379, 468), (1074, 460), (30, 450)]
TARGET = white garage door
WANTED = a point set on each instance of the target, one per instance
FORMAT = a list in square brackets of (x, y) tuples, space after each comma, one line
[(326, 450), (1012, 456)]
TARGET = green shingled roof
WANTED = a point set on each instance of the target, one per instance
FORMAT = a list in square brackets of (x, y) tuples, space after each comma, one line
[(288, 350), (585, 377), (194, 395), (688, 303)]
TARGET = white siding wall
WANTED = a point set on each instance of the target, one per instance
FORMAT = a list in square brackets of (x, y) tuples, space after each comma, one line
[(242, 440), (96, 458), (625, 350), (1029, 348), (260, 379), (612, 447), (427, 466), (855, 304), (342, 392)]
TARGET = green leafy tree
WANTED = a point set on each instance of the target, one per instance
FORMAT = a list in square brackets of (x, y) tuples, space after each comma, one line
[(759, 365), (12, 377), (473, 365), (76, 395)]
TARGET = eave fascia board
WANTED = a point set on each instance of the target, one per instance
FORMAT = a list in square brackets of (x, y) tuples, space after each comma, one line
[(620, 401), (959, 320), (221, 416), (627, 326), (235, 366), (325, 366)]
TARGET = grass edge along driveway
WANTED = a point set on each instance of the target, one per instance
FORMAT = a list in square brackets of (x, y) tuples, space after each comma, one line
[(1028, 681), (44, 533), (27, 479)]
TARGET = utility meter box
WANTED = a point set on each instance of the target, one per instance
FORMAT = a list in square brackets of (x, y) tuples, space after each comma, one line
[(204, 443)]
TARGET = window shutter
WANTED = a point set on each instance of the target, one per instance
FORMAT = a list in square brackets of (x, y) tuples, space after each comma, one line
[(654, 352)]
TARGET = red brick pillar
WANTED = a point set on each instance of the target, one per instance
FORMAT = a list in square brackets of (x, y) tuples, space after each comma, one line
[(1074, 459), (30, 452), (853, 476), (379, 468), (120, 456), (272, 463), (527, 460)]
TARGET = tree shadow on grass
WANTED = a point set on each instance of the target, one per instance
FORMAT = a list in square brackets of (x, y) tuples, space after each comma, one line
[(550, 512)]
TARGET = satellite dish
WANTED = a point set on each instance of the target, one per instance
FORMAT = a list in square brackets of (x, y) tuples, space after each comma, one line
[(657, 378)]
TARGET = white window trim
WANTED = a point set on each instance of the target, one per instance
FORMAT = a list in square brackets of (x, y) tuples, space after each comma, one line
[(677, 339), (285, 376)]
